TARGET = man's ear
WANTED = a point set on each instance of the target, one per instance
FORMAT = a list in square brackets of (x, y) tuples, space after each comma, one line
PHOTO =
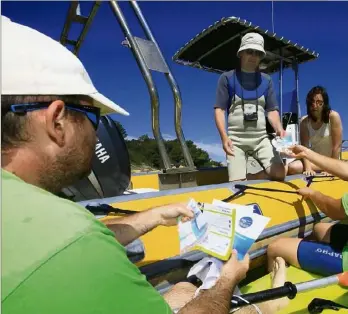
[(56, 122)]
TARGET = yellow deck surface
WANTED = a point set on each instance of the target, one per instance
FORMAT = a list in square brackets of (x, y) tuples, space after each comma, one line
[(163, 242), (299, 304)]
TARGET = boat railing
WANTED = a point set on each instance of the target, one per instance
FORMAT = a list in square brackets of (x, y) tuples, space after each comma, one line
[(149, 58)]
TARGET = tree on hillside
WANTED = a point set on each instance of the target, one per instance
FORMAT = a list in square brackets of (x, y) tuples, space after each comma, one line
[(144, 138), (144, 151)]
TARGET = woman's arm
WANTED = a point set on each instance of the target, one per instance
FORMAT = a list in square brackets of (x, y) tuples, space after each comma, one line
[(336, 134), (331, 207), (336, 167), (304, 139)]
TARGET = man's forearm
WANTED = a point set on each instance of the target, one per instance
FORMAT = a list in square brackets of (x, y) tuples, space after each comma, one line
[(128, 229), (221, 123), (216, 300), (331, 207), (274, 120), (336, 167)]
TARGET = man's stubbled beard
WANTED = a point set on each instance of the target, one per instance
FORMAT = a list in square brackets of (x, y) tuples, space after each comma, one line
[(71, 165)]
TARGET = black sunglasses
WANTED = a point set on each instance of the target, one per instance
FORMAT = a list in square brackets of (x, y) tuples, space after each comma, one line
[(92, 113)]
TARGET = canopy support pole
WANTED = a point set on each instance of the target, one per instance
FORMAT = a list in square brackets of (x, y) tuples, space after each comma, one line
[(281, 86), (149, 81), (173, 85), (295, 68)]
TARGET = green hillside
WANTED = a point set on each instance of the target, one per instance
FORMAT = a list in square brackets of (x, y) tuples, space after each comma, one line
[(144, 153)]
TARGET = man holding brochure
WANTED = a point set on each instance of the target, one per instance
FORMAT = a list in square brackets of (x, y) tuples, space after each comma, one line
[(50, 110), (217, 229)]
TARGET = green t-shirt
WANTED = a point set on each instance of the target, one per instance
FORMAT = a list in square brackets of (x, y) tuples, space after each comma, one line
[(58, 259), (345, 249)]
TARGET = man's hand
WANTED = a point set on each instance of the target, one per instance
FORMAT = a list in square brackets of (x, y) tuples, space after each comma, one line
[(228, 147), (300, 152), (217, 299), (235, 270), (168, 214), (281, 133), (305, 192), (131, 227)]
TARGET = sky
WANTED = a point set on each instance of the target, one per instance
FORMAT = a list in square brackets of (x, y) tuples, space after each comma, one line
[(319, 26)]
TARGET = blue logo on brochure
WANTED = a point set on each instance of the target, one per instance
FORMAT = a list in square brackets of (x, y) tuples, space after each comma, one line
[(245, 222)]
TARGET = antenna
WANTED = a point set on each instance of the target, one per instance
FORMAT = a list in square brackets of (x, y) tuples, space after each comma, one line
[(78, 9), (272, 16)]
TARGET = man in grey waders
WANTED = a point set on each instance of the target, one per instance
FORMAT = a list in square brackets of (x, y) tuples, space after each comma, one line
[(248, 95)]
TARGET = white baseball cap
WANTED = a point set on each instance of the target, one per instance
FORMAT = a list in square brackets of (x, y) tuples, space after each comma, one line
[(252, 41), (35, 64)]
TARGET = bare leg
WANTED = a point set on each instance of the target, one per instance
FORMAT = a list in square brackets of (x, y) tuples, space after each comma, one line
[(278, 279), (275, 172), (180, 294), (262, 175), (183, 292), (238, 180), (295, 167), (285, 248), (278, 275), (322, 231)]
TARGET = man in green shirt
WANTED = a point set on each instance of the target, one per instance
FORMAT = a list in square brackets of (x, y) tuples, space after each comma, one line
[(56, 257), (329, 254)]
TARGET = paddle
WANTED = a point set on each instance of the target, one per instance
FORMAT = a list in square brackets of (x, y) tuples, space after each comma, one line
[(242, 188), (310, 179), (289, 290), (105, 209), (245, 187), (318, 305)]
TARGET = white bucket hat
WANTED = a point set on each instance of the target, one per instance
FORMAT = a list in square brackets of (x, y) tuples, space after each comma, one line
[(35, 64), (252, 41)]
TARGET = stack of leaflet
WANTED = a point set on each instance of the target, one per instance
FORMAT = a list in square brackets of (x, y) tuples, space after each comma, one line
[(282, 145), (219, 227)]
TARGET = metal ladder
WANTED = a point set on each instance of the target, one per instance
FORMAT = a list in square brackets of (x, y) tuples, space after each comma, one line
[(149, 58)]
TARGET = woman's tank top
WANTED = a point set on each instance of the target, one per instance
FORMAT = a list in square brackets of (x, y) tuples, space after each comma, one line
[(320, 140)]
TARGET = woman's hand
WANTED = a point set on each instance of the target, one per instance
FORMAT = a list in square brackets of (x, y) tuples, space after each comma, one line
[(297, 151), (309, 172), (305, 192)]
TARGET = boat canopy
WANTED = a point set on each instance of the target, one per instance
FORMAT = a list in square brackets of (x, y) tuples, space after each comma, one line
[(215, 47)]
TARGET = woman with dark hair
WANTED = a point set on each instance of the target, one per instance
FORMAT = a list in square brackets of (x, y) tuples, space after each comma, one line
[(320, 130)]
